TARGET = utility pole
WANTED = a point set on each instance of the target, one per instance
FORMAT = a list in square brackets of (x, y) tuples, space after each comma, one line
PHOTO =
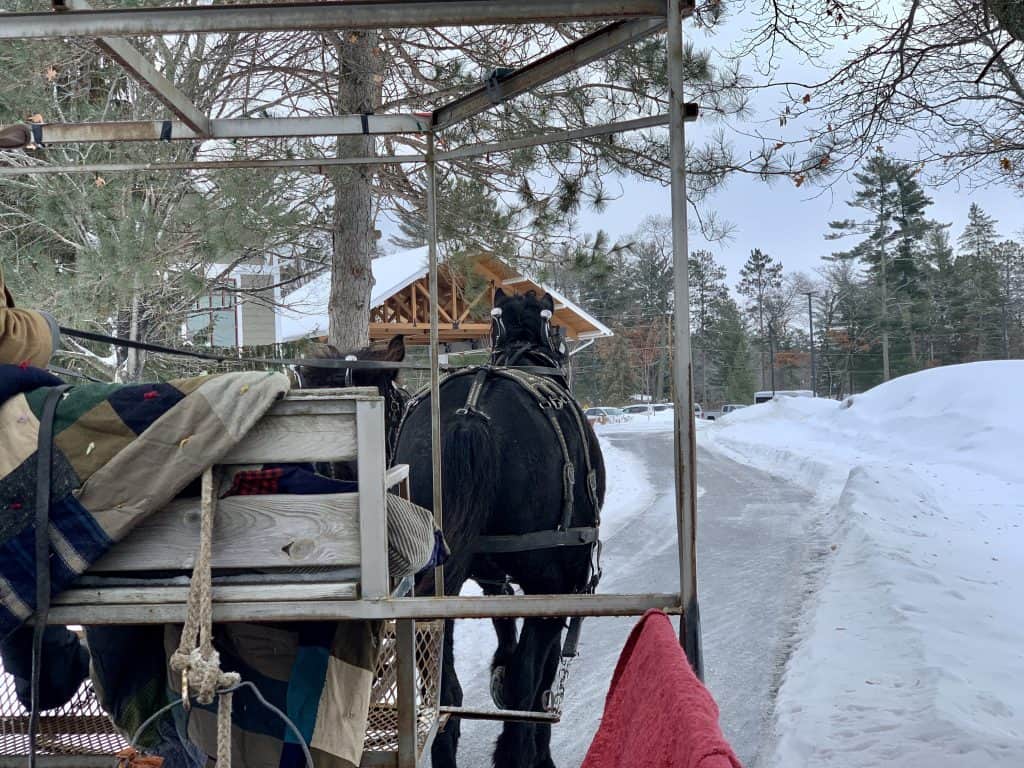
[(810, 322), (1006, 303), (771, 353), (885, 317)]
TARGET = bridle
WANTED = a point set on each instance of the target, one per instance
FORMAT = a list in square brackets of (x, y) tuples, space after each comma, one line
[(526, 354)]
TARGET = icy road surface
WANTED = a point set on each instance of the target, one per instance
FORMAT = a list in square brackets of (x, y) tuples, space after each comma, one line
[(752, 553)]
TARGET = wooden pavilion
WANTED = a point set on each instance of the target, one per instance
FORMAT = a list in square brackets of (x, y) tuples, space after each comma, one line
[(400, 303)]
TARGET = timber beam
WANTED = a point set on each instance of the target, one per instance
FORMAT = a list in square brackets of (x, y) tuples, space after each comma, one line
[(294, 17)]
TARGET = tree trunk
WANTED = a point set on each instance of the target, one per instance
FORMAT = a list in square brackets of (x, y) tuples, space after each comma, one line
[(136, 358), (354, 231)]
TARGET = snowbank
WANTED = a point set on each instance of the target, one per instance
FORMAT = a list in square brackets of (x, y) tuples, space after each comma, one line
[(912, 650), (662, 421)]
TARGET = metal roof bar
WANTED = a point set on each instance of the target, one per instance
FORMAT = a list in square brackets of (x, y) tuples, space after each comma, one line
[(355, 14), (235, 128), (475, 150), (575, 55), (314, 164), (139, 67), (317, 164)]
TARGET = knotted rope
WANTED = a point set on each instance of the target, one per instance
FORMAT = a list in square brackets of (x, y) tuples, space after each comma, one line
[(199, 664)]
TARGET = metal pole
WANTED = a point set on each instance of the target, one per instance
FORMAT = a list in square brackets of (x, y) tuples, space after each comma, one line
[(810, 322), (435, 380), (682, 369), (315, 16)]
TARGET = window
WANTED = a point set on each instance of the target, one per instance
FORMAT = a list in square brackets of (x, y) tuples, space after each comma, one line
[(213, 322)]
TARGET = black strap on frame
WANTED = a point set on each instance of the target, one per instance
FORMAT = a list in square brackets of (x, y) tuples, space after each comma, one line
[(44, 483)]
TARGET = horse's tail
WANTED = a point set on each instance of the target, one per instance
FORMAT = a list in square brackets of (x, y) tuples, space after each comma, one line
[(469, 476)]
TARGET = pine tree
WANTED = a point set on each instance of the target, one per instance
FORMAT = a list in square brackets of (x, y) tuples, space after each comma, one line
[(129, 253), (891, 231), (733, 378), (759, 277), (708, 293), (943, 293), (617, 377), (978, 275)]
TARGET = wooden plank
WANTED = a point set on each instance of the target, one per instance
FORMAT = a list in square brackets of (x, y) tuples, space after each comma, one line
[(395, 475), (398, 608), (296, 438), (272, 531), (373, 529), (243, 593)]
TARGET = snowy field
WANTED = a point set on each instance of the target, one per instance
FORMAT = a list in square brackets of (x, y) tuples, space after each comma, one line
[(911, 650)]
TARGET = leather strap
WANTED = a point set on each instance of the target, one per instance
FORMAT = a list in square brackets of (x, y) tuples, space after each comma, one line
[(44, 478), (527, 542)]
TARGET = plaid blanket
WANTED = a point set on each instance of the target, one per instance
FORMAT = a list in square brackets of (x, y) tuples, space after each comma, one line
[(120, 454)]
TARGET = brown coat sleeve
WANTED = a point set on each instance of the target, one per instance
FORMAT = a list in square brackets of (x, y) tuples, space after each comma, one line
[(25, 335)]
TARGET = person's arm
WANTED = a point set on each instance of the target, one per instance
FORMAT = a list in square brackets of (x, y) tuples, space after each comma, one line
[(26, 336)]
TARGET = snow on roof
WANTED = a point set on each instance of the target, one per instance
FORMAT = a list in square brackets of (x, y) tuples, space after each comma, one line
[(601, 331), (305, 309)]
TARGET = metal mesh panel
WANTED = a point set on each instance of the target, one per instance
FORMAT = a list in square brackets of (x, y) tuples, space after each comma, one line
[(81, 727), (382, 728)]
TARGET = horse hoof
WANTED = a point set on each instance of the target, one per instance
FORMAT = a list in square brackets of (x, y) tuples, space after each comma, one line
[(497, 686)]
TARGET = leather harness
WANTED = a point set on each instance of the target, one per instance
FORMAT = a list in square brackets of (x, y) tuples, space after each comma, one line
[(545, 385)]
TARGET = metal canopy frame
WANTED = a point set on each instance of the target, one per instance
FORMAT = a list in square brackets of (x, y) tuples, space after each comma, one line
[(632, 20)]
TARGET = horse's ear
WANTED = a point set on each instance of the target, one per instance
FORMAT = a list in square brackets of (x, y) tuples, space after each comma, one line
[(500, 297), (547, 303), (396, 350)]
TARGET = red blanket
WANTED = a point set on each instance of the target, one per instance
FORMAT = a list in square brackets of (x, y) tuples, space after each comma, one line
[(658, 714)]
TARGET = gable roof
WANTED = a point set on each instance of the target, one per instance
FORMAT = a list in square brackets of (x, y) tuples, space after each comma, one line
[(304, 314)]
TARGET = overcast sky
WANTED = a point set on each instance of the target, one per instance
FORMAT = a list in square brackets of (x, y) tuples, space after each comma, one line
[(780, 219), (787, 222)]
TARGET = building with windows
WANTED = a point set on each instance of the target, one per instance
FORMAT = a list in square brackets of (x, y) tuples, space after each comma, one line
[(241, 310)]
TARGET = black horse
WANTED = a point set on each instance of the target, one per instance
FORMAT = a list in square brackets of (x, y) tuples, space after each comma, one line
[(505, 473), (383, 379)]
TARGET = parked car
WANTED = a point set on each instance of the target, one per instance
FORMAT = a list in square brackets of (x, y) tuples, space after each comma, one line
[(769, 394), (637, 410), (661, 407), (731, 407), (601, 414), (698, 411)]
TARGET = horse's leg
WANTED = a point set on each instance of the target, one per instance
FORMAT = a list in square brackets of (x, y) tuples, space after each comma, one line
[(507, 634), (446, 743), (543, 730), (528, 675)]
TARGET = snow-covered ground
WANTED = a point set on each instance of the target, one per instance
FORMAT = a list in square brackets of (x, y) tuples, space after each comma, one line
[(911, 651), (751, 525)]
